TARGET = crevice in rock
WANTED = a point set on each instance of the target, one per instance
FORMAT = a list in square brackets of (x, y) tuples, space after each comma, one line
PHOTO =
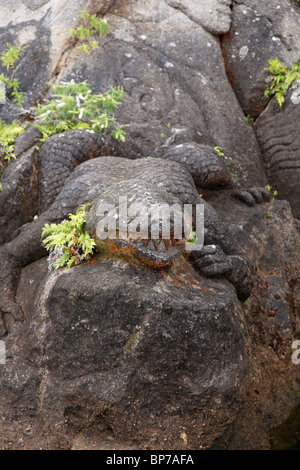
[(45, 381), (226, 36)]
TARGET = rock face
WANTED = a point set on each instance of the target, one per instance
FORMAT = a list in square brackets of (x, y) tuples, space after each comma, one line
[(174, 57), (131, 342), (277, 134), (43, 26), (214, 16), (114, 354), (259, 32), (19, 195), (273, 243)]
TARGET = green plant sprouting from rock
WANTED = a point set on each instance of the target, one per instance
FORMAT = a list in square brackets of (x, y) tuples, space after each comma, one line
[(228, 161), (250, 119), (275, 194), (192, 237), (68, 242), (8, 134), (281, 79), (91, 26), (8, 58), (73, 106)]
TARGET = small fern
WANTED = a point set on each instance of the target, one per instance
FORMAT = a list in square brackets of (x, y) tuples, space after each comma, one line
[(250, 119), (281, 79), (68, 242), (8, 134)]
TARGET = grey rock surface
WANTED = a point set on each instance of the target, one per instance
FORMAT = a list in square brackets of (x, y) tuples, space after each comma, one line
[(207, 168), (214, 16), (165, 60), (277, 133), (115, 353), (273, 242), (132, 342), (259, 31), (19, 195), (43, 26)]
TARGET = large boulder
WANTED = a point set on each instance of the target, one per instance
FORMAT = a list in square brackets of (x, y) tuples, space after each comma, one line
[(126, 353)]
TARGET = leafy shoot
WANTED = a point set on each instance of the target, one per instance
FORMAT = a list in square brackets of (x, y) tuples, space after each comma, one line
[(228, 161), (11, 55), (8, 134), (275, 193), (281, 79), (250, 119), (73, 106), (192, 237), (91, 26), (8, 59), (68, 242)]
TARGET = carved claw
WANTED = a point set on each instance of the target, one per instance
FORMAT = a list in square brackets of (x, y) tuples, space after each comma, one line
[(212, 262), (252, 196)]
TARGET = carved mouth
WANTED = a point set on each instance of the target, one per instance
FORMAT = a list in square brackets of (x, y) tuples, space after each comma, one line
[(138, 220), (157, 253)]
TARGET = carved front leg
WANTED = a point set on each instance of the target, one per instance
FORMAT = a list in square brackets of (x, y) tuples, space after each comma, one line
[(212, 262)]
